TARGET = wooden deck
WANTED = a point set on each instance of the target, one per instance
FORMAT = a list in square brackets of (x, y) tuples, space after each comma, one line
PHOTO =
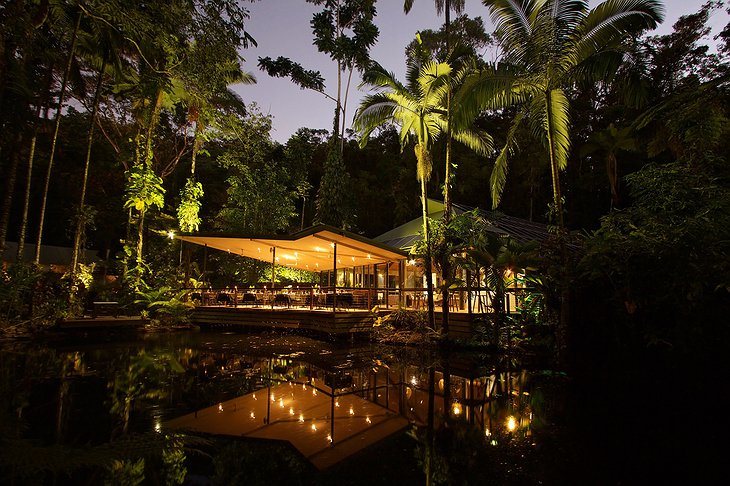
[(302, 415), (103, 322), (316, 320), (323, 321)]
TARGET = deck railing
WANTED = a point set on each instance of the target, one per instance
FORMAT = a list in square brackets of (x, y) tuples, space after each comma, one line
[(461, 300)]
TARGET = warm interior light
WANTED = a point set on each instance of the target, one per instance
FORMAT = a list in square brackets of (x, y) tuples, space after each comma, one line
[(281, 402), (254, 397), (329, 437), (301, 418), (314, 427), (511, 423), (337, 403), (414, 381), (352, 411), (220, 407), (253, 415), (291, 411), (367, 419), (456, 408)]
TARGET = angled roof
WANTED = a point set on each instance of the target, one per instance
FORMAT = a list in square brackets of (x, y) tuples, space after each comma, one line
[(310, 249), (406, 235)]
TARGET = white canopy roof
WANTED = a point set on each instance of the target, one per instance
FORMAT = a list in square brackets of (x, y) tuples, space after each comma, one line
[(311, 249)]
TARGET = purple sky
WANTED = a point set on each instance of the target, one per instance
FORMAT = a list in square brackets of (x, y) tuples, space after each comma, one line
[(281, 28)]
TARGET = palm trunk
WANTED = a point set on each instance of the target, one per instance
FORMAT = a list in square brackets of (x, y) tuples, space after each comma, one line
[(54, 140), (81, 220), (427, 264), (561, 332)]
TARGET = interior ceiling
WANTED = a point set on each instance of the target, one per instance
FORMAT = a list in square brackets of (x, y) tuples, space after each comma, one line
[(307, 250)]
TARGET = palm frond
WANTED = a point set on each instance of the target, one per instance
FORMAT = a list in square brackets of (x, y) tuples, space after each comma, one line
[(607, 25), (498, 177), (513, 20), (556, 124)]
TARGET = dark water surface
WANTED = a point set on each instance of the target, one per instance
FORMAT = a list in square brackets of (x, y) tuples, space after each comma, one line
[(509, 421)]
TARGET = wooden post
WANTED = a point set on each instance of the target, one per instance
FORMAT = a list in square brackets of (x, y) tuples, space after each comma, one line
[(387, 286), (370, 292), (205, 263), (273, 274), (334, 271)]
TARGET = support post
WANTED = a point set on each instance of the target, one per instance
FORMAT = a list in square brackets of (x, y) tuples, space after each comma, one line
[(387, 284), (334, 271), (273, 274)]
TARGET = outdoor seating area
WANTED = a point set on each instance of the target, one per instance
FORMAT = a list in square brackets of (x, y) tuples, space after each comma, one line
[(352, 299)]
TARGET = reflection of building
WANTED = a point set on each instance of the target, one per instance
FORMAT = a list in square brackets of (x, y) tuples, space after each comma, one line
[(295, 401)]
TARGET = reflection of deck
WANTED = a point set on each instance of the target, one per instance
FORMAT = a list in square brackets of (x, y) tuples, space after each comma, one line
[(302, 416)]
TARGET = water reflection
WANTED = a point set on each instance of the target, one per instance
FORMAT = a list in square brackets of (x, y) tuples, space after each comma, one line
[(81, 393)]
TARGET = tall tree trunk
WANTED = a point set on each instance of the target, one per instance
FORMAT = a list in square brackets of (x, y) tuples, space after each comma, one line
[(344, 110), (562, 330), (42, 105), (26, 197), (54, 140), (147, 160), (81, 218), (9, 190)]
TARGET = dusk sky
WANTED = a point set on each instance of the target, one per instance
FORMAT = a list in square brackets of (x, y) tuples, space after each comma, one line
[(281, 28)]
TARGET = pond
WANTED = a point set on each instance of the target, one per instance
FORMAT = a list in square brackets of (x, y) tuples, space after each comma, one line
[(81, 411)]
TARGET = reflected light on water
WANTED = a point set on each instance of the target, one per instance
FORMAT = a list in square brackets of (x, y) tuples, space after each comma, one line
[(511, 423)]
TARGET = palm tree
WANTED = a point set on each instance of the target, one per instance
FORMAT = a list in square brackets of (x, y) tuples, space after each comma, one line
[(419, 109), (445, 7), (549, 46), (415, 108)]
